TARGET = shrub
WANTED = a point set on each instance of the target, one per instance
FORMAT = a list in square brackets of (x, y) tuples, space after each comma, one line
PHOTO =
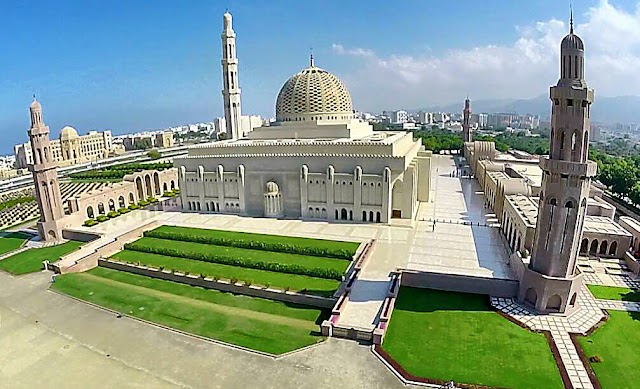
[(152, 200), (113, 214), (253, 244), (134, 206), (595, 359), (248, 282), (89, 223), (169, 194), (143, 203), (234, 280), (230, 259), (102, 218), (122, 211)]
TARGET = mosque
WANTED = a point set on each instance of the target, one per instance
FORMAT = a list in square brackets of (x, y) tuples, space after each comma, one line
[(317, 161)]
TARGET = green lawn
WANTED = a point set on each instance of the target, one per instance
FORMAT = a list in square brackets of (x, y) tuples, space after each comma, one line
[(457, 336), (16, 201), (30, 261), (255, 323), (614, 293), (248, 254), (313, 285), (11, 241), (617, 342), (319, 243)]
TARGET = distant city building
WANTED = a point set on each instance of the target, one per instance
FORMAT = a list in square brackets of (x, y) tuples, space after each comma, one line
[(425, 117), (70, 148), (396, 117), (247, 124)]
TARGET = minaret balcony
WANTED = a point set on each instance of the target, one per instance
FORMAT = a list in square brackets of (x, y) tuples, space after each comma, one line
[(558, 166)]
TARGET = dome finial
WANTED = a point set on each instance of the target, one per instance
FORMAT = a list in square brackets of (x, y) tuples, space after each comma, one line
[(571, 19), (311, 63)]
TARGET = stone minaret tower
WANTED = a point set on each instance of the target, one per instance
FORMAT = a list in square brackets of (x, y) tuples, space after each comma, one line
[(231, 89), (466, 125), (550, 282), (45, 177)]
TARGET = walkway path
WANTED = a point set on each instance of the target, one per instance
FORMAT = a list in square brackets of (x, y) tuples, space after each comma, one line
[(51, 341)]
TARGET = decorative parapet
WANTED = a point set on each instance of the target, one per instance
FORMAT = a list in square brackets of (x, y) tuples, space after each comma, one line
[(293, 155), (587, 169)]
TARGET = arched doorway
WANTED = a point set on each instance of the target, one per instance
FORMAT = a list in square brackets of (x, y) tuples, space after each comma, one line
[(613, 248), (121, 202), (131, 198), (173, 185), (377, 217), (554, 303), (343, 214), (594, 247), (584, 246), (531, 296), (156, 183), (90, 212), (603, 247), (140, 189), (100, 209), (572, 302), (364, 216), (112, 205), (52, 234), (164, 187), (147, 184), (396, 200)]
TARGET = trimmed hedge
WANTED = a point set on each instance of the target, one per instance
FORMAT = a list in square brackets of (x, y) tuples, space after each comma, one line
[(134, 206), (90, 223), (123, 210), (102, 218), (119, 171), (143, 203), (152, 200), (227, 259), (112, 214), (252, 244)]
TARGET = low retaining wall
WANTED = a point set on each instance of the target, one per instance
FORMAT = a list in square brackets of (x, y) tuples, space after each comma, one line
[(81, 236), (460, 283), (209, 283), (87, 256), (634, 264)]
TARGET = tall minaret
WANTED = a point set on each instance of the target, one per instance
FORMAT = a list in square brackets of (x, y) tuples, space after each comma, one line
[(231, 89), (466, 126), (45, 177), (550, 282)]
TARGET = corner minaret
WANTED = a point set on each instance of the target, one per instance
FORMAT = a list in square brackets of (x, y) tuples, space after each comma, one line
[(231, 87), (45, 177), (550, 282), (466, 125)]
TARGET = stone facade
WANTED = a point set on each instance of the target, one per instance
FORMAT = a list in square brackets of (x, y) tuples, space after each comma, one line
[(134, 187)]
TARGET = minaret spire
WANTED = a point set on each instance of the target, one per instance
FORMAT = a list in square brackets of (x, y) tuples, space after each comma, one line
[(231, 87), (571, 19), (311, 62)]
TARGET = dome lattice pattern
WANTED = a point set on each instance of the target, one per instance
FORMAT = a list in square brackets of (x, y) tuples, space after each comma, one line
[(313, 91)]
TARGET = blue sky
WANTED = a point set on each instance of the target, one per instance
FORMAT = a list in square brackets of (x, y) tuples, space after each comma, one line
[(135, 65)]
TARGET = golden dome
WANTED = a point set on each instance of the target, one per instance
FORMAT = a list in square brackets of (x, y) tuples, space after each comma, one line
[(313, 94)]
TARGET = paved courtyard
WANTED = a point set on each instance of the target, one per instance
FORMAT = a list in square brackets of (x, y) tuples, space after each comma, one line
[(51, 341), (462, 242)]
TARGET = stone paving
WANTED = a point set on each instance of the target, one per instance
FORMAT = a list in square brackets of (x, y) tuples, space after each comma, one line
[(616, 305)]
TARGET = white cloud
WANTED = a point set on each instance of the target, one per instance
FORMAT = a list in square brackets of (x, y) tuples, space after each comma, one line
[(523, 69)]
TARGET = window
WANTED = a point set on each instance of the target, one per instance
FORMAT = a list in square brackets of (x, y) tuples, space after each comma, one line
[(569, 102)]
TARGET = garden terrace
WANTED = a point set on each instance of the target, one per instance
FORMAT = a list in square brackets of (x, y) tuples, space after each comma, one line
[(12, 241), (30, 260), (117, 172), (447, 336), (288, 244), (293, 282), (328, 268), (255, 323), (612, 350)]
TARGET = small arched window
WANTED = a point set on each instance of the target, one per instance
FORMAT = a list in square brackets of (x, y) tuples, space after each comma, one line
[(553, 201)]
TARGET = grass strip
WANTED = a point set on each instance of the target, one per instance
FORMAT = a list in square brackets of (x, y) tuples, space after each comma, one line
[(30, 261), (614, 293), (12, 241), (309, 285), (457, 336), (255, 323)]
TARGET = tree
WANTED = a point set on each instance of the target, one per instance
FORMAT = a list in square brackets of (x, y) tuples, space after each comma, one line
[(154, 154)]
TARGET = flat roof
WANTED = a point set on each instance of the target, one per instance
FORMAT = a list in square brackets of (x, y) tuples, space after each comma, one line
[(603, 225), (527, 207)]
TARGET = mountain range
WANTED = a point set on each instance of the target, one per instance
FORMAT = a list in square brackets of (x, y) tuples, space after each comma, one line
[(620, 109)]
